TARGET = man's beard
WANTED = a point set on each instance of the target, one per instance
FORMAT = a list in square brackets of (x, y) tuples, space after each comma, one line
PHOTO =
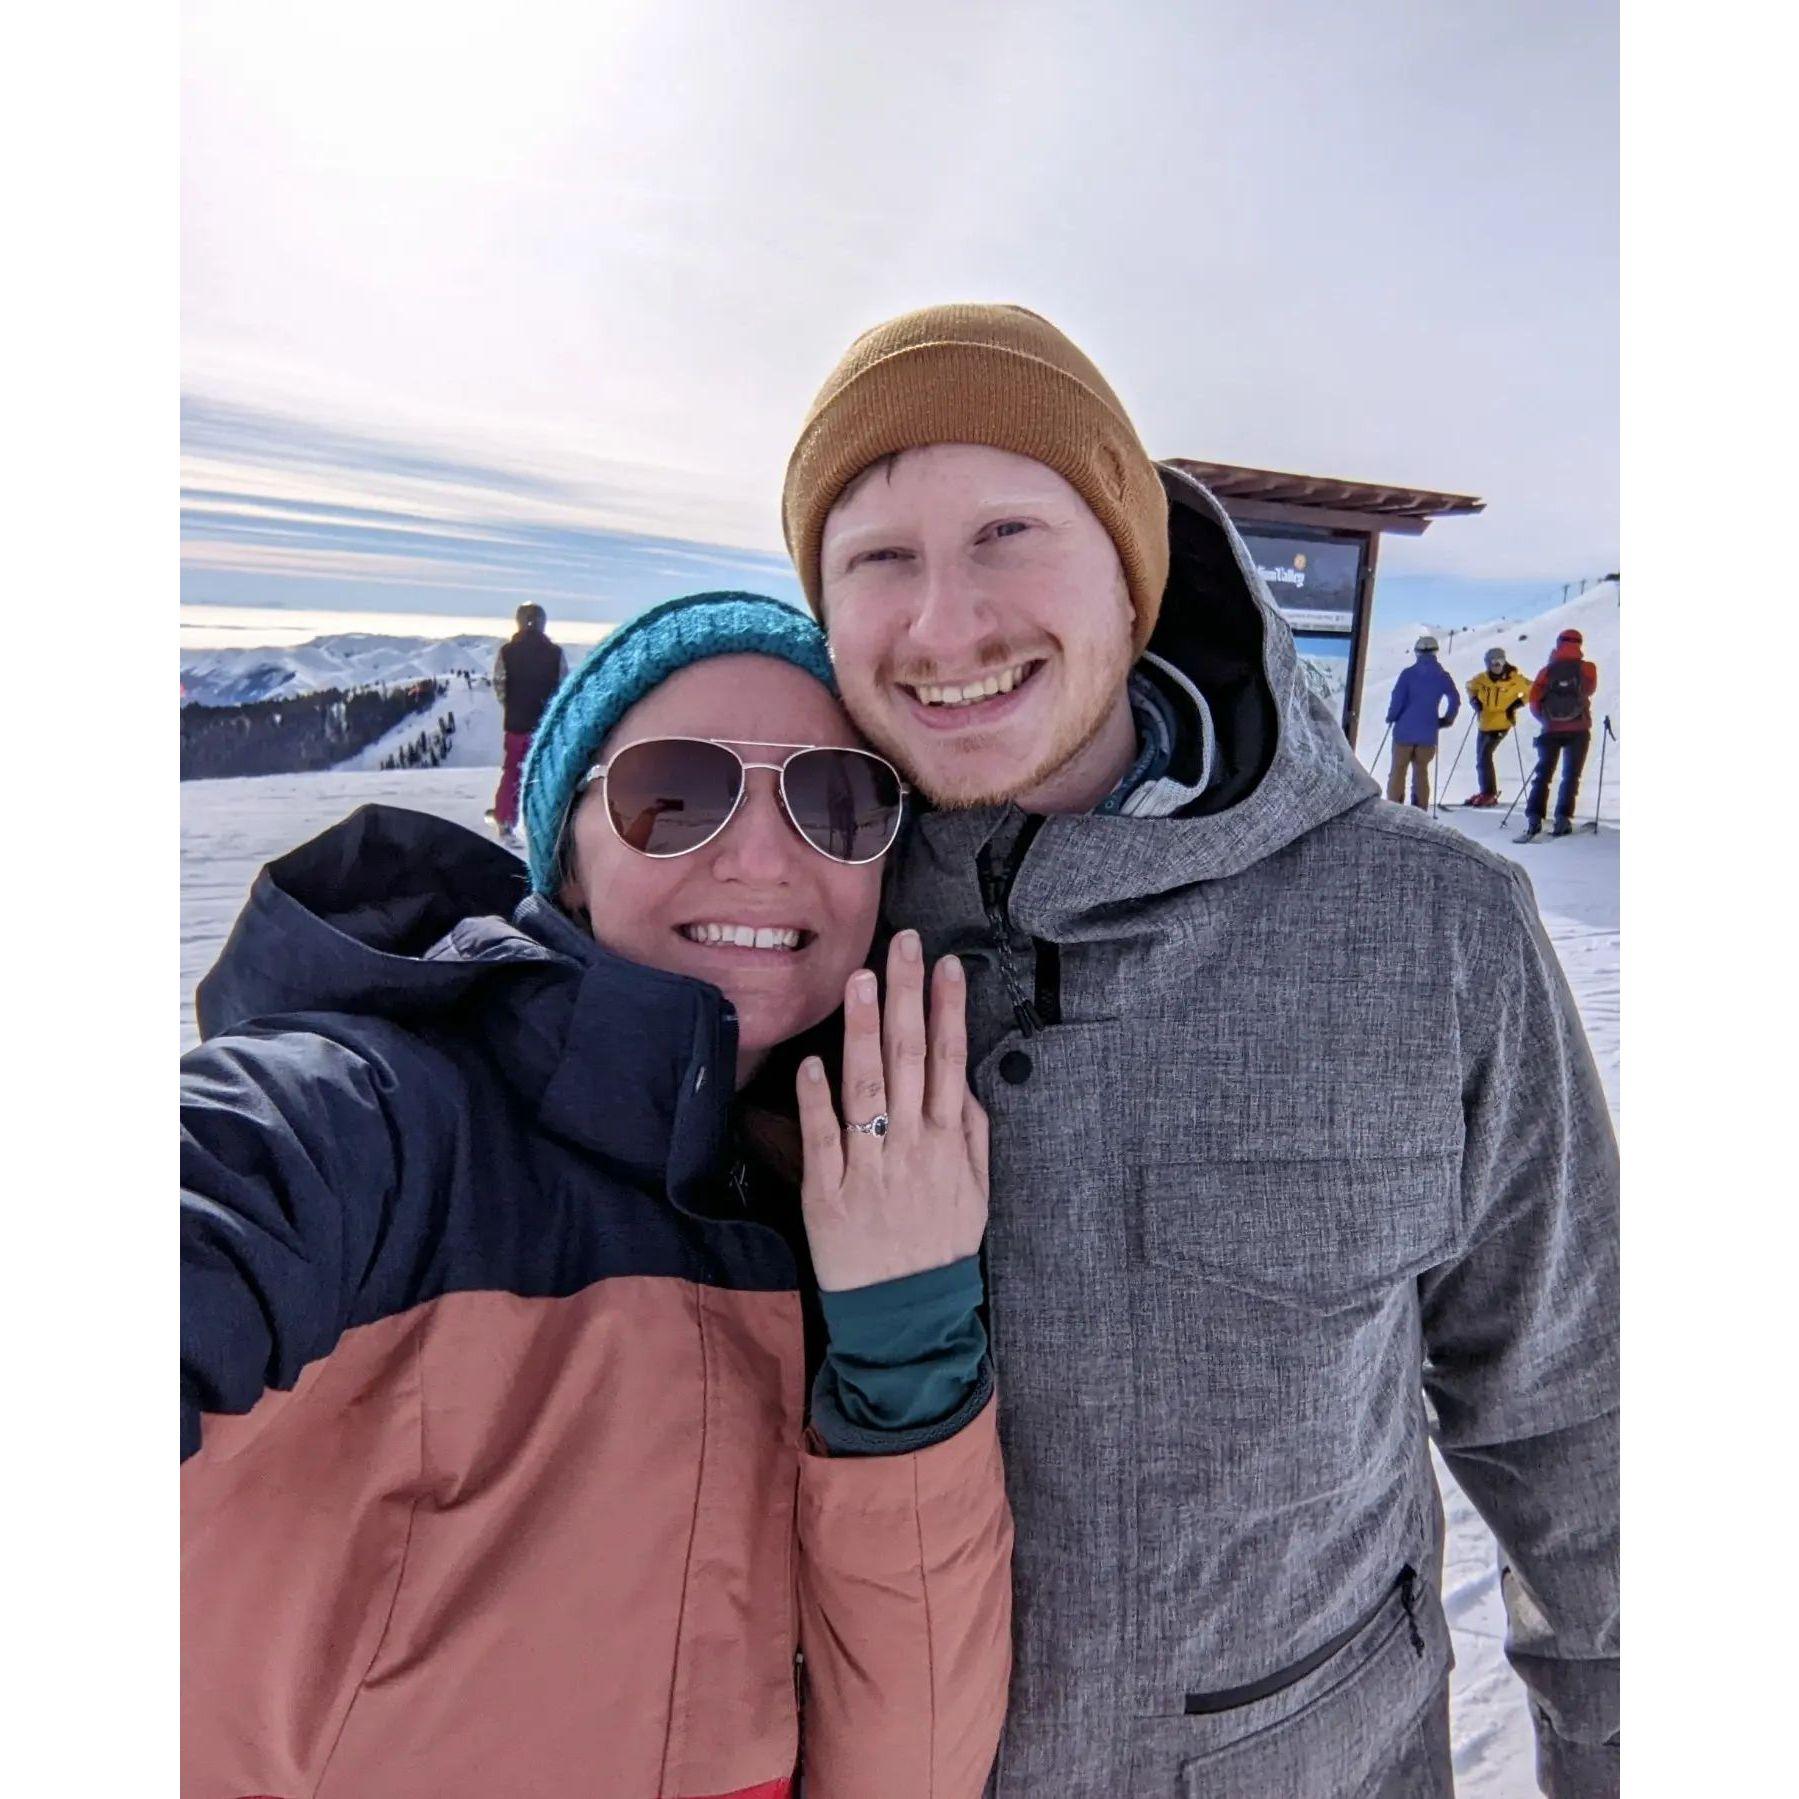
[(949, 795)]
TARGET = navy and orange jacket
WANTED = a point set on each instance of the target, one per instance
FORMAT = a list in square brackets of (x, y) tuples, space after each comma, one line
[(497, 1475)]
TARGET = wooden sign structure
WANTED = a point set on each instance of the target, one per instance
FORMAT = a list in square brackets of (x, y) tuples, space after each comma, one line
[(1316, 540)]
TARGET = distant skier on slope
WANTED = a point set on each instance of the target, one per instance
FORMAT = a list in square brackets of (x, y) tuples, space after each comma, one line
[(528, 669), (1499, 690), (1413, 714), (1561, 699)]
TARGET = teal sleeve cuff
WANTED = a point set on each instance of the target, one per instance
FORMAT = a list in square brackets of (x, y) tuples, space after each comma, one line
[(905, 1358)]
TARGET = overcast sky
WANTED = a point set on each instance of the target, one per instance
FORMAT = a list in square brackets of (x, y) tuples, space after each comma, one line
[(470, 285)]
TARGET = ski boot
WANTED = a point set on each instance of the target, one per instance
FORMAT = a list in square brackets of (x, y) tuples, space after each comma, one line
[(1563, 827), (1533, 829)]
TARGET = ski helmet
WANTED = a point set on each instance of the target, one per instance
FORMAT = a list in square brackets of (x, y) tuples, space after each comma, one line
[(1496, 654), (1426, 642), (529, 617)]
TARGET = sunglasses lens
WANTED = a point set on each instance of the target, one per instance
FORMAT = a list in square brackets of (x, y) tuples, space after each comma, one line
[(668, 795), (845, 803)]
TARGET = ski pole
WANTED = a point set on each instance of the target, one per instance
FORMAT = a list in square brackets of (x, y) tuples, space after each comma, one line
[(1379, 747), (1516, 797), (1456, 764), (1599, 799)]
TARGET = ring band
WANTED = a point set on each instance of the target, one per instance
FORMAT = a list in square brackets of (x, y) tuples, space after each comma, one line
[(875, 1127)]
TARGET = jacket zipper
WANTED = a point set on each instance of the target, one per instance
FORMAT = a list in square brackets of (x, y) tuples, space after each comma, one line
[(1232, 1698), (1408, 1596), (996, 893), (799, 1720)]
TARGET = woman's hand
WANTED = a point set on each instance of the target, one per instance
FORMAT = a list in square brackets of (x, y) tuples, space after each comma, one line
[(877, 1208)]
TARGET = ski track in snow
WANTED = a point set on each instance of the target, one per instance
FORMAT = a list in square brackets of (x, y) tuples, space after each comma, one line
[(229, 829)]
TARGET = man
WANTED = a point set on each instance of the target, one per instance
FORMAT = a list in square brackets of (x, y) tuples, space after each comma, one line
[(1561, 700), (1293, 1120), (1413, 714), (528, 669), (1499, 690)]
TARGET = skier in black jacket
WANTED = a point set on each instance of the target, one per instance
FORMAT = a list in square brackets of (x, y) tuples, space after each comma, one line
[(528, 669)]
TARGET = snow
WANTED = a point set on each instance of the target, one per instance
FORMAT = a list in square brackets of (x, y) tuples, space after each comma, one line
[(477, 740), (229, 828), (235, 676), (231, 677)]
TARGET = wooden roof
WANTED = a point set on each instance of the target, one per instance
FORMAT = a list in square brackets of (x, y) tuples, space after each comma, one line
[(1379, 505)]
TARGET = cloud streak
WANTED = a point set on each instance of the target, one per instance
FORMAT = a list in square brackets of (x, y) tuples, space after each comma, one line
[(266, 516)]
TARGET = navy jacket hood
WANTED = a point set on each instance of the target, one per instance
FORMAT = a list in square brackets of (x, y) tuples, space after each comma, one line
[(406, 917)]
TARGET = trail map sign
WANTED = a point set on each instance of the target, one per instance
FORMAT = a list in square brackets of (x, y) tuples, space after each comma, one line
[(1312, 580)]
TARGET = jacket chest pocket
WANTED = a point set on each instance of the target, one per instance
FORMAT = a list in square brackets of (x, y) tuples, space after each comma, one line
[(1316, 1233)]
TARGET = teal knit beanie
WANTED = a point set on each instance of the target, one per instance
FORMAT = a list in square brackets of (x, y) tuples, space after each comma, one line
[(620, 670)]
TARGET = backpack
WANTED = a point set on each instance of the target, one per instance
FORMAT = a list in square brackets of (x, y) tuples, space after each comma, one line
[(1564, 701)]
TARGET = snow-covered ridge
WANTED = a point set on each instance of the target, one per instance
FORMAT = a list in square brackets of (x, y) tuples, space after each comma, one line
[(236, 677)]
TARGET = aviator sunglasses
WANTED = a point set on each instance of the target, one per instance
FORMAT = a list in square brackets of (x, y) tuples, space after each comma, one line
[(669, 796)]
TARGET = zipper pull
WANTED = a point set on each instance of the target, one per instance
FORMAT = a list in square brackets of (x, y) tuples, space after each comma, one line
[(1408, 1592)]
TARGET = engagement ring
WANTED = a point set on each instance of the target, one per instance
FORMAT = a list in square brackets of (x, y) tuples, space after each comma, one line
[(875, 1127)]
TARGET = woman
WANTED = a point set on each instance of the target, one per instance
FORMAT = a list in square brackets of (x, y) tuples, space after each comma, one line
[(505, 1278)]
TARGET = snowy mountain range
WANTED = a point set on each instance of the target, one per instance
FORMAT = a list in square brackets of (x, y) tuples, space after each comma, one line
[(347, 659), (350, 659)]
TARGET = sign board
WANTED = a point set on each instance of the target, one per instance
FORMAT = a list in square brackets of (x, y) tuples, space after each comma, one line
[(1313, 581)]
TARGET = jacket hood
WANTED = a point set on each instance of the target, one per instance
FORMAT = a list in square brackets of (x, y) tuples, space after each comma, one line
[(403, 916), (344, 922), (1282, 765)]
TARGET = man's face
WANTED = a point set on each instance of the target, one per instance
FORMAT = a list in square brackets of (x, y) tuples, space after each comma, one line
[(979, 622)]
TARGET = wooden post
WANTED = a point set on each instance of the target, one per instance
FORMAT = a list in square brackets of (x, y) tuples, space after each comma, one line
[(1358, 646)]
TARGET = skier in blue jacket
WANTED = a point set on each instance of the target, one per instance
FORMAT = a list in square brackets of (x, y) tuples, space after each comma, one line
[(1414, 714)]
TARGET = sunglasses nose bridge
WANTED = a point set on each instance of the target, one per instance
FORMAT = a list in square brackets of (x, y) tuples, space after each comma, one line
[(760, 827)]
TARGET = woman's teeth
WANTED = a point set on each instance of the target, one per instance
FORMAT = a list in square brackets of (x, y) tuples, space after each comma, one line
[(967, 693), (744, 936)]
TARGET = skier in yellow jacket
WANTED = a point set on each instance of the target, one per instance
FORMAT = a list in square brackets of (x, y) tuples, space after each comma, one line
[(1498, 690)]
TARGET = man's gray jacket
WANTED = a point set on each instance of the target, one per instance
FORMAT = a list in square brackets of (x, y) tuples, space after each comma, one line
[(1298, 1154)]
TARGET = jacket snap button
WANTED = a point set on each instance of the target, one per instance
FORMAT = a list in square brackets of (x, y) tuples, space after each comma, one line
[(1015, 1067)]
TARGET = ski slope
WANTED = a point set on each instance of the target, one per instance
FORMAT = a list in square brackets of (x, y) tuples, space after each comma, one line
[(1527, 642)]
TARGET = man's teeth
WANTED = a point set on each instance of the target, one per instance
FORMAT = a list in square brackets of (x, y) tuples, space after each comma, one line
[(967, 693), (744, 936)]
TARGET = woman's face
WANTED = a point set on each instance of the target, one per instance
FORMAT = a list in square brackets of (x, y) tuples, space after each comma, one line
[(758, 871)]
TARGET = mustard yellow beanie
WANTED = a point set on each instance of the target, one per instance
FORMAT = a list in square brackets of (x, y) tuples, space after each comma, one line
[(993, 375)]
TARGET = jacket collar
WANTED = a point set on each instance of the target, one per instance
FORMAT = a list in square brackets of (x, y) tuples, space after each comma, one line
[(633, 1062)]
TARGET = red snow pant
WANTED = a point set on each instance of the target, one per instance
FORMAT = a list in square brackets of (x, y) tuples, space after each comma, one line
[(505, 802)]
